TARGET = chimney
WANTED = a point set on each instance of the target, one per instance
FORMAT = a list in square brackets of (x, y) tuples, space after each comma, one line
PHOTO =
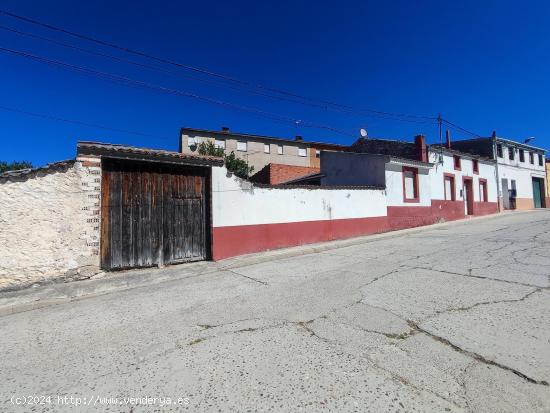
[(225, 129), (298, 138), (421, 149), (494, 135), (448, 139)]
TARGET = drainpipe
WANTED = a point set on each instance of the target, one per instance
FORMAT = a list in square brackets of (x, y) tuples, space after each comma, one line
[(495, 156)]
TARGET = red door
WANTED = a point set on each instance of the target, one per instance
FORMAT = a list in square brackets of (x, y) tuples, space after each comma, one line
[(468, 192)]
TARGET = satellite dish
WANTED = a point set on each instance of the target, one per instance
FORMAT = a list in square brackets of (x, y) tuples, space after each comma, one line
[(363, 132)]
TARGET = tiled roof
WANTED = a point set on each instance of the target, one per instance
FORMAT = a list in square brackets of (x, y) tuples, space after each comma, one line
[(132, 152)]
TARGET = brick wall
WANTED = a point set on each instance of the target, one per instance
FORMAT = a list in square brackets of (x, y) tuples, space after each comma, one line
[(274, 174)]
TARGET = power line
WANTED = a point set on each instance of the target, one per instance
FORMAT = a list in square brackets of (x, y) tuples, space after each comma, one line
[(149, 86), (326, 104), (153, 68), (78, 122), (460, 128)]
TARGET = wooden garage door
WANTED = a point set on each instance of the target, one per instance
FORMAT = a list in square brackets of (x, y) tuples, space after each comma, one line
[(152, 214)]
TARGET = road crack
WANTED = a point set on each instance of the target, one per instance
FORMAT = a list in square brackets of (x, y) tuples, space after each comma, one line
[(246, 276), (476, 356)]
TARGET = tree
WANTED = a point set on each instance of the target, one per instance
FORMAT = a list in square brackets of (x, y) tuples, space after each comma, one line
[(14, 166), (237, 166), (232, 163), (208, 148)]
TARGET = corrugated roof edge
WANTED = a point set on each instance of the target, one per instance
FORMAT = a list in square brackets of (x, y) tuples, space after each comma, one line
[(26, 173), (135, 153), (254, 136), (416, 162), (452, 151), (501, 139)]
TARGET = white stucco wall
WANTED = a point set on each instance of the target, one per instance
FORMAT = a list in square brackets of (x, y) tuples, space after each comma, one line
[(486, 171), (49, 224), (506, 161), (522, 176), (394, 186), (236, 202)]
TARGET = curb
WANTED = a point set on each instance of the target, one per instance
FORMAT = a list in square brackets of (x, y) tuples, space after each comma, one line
[(139, 278)]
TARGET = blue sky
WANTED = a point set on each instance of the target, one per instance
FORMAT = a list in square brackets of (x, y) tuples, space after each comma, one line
[(483, 65)]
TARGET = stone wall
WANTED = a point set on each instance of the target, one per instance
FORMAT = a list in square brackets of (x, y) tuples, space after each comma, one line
[(49, 223)]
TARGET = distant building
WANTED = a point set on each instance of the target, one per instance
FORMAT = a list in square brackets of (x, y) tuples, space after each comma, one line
[(258, 150), (520, 169), (547, 183), (437, 181)]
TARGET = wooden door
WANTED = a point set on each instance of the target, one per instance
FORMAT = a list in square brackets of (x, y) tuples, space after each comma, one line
[(152, 214), (537, 192), (468, 197)]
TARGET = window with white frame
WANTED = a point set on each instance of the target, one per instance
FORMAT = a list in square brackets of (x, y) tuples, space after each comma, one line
[(241, 146), (280, 150), (317, 153), (302, 152), (267, 148), (219, 143)]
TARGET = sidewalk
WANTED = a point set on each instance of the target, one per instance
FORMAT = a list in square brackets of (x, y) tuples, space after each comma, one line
[(36, 297)]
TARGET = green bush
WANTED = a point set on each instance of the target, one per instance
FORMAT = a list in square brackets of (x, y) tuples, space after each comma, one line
[(14, 166), (233, 164), (208, 148)]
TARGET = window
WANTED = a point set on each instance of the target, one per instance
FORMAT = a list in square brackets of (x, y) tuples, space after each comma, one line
[(483, 190), (280, 149), (450, 191), (241, 146), (475, 166), (521, 155), (219, 143), (540, 159), (531, 158), (499, 150), (511, 153), (302, 152), (456, 160), (191, 141), (267, 148), (317, 153), (410, 184)]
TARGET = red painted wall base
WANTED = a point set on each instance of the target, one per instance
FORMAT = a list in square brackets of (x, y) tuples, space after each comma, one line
[(238, 240), (245, 239), (485, 208)]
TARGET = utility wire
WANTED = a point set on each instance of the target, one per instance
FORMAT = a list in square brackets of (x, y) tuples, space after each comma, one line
[(326, 104), (149, 86), (78, 122), (153, 68), (460, 128)]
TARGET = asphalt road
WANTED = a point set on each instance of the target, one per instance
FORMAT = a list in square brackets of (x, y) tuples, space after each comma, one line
[(450, 318)]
